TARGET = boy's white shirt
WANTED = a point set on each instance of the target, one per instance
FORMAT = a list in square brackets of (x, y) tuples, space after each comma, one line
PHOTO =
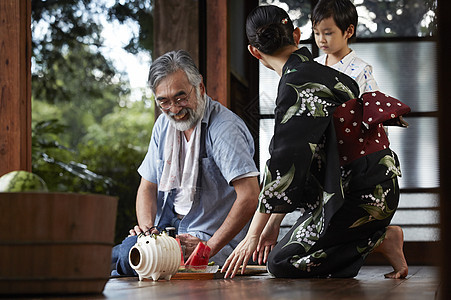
[(356, 68)]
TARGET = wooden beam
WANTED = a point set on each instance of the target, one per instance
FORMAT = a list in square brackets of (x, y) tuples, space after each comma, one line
[(217, 51), (186, 25), (443, 76), (15, 85), (176, 26)]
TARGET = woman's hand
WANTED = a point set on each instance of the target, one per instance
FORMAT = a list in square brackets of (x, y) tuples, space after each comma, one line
[(245, 249), (240, 256), (268, 240)]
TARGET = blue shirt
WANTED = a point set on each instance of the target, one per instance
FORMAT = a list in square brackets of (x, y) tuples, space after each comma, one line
[(229, 150)]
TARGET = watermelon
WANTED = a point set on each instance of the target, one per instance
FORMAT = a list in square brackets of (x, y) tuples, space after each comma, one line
[(182, 260), (22, 181), (198, 260)]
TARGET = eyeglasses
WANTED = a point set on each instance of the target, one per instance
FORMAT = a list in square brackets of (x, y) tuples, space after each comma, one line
[(181, 100)]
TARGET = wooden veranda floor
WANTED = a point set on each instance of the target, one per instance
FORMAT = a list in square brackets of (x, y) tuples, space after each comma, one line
[(422, 283)]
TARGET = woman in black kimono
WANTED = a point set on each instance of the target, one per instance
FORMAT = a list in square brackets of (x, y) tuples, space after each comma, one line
[(330, 158)]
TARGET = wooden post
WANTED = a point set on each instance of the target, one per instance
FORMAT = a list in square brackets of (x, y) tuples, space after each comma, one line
[(15, 85), (176, 26), (217, 51), (444, 74)]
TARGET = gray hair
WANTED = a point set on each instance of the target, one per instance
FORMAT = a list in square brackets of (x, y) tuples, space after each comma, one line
[(171, 62)]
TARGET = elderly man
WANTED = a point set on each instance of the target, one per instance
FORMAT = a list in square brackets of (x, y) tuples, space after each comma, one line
[(198, 175)]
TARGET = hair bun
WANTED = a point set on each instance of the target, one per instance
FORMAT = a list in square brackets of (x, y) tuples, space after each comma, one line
[(270, 38), (269, 28)]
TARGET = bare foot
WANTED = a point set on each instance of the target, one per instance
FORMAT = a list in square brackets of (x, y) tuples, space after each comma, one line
[(392, 249)]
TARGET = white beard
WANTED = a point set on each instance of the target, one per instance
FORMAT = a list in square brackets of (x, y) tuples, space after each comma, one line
[(193, 115)]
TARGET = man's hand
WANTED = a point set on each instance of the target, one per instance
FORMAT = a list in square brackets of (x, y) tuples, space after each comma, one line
[(146, 230), (243, 209), (146, 208), (190, 242)]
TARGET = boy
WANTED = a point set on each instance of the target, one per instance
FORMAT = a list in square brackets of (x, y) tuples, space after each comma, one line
[(334, 25)]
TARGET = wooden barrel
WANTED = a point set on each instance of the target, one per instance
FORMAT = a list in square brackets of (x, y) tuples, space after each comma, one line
[(55, 242)]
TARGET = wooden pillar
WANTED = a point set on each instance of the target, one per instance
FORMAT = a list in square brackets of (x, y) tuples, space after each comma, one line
[(217, 51), (444, 75), (15, 85), (176, 26), (201, 28)]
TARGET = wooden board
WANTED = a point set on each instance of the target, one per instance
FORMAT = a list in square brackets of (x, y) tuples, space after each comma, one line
[(253, 270), (250, 270)]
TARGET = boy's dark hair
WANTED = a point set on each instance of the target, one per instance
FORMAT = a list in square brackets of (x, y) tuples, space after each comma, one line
[(343, 12), (269, 28)]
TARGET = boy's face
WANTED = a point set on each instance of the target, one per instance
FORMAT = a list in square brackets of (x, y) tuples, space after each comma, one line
[(330, 39)]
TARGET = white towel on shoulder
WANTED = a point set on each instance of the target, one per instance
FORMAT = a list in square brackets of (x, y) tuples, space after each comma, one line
[(176, 174)]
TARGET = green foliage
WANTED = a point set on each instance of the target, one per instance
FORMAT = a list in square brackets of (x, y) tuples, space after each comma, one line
[(113, 150), (55, 162), (138, 11), (88, 136), (66, 49), (116, 148), (396, 18)]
